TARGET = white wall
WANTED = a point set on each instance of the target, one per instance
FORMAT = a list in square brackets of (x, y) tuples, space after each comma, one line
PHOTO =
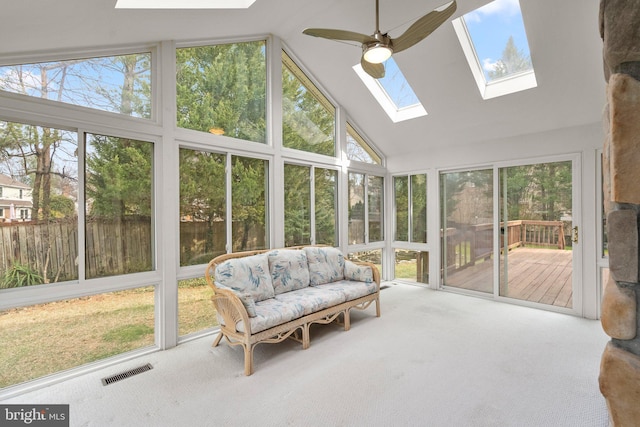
[(583, 142)]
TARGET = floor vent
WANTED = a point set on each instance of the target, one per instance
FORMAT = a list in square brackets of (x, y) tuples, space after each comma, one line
[(383, 287), (122, 375)]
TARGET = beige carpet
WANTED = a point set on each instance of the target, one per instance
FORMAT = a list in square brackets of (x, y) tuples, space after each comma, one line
[(432, 359)]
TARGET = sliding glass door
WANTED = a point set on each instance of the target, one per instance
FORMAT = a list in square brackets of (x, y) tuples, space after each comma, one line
[(536, 217), (467, 229), (533, 233)]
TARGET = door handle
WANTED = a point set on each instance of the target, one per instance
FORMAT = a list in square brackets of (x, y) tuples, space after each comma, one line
[(575, 234)]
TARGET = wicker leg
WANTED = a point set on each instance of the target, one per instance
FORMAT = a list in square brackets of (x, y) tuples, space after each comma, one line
[(217, 340), (306, 341), (248, 359), (378, 307), (347, 319)]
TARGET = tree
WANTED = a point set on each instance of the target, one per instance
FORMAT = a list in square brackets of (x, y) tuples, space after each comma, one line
[(222, 89), (119, 177), (513, 61)]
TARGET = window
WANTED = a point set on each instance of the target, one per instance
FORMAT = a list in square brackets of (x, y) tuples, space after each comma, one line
[(308, 116), (1, 192), (119, 208), (393, 92), (44, 251), (20, 194), (61, 335), (494, 42), (249, 203), (411, 208), (366, 205), (358, 149), (195, 310), (205, 202), (203, 212), (222, 89), (119, 84), (310, 218)]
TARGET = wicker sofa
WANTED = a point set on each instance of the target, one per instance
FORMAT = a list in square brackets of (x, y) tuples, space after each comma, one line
[(269, 295)]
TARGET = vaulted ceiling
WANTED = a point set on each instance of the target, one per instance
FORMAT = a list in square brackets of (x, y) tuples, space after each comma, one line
[(563, 38)]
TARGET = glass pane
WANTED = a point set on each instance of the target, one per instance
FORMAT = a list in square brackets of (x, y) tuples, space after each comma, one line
[(65, 334), (119, 84), (297, 202), (39, 234), (358, 149), (401, 196), (195, 309), (489, 27), (467, 218), (119, 190), (249, 209), (203, 234), (396, 86), (222, 89), (412, 266), (375, 193), (374, 257), (308, 116), (536, 221), (326, 200), (356, 208), (419, 208)]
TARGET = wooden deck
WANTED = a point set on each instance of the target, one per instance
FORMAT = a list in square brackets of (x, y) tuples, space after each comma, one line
[(537, 275)]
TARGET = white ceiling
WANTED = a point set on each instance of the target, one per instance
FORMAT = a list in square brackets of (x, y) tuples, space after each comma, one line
[(563, 38)]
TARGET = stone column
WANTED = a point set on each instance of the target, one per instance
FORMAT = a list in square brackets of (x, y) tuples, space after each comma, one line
[(620, 365)]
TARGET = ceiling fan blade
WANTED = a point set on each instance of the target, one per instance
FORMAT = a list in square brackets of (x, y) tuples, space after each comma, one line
[(423, 27), (338, 35), (374, 70)]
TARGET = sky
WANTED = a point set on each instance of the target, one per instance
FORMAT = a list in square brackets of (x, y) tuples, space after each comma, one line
[(490, 28)]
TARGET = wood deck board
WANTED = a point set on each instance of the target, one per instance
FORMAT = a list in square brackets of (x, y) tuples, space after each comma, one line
[(537, 275)]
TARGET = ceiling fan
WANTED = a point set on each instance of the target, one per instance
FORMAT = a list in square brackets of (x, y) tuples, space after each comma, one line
[(379, 47)]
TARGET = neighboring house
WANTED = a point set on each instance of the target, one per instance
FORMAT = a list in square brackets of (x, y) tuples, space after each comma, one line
[(16, 202)]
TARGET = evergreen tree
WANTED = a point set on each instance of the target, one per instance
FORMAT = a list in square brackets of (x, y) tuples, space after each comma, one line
[(513, 61)]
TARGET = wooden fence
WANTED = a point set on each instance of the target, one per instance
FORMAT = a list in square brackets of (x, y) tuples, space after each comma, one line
[(112, 246), (51, 248), (467, 245)]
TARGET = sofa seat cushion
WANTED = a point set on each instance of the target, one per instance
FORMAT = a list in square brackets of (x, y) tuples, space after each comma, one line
[(271, 312), (350, 289), (312, 299), (289, 269), (247, 275), (326, 264)]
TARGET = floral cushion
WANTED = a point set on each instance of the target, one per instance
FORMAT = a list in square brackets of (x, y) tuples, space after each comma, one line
[(270, 313), (246, 298), (358, 273), (350, 289), (311, 299), (247, 275), (289, 270), (326, 265)]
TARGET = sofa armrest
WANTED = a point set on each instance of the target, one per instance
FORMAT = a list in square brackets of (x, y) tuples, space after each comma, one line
[(231, 309)]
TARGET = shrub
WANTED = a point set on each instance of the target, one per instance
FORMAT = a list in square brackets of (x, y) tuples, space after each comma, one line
[(19, 275)]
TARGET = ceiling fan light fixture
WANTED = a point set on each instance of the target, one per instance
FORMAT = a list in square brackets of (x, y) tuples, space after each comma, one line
[(377, 53)]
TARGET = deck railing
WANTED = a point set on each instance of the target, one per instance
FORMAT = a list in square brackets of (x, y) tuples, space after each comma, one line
[(469, 244)]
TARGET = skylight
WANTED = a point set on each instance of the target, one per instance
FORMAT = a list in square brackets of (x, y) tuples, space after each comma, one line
[(495, 44), (393, 92)]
